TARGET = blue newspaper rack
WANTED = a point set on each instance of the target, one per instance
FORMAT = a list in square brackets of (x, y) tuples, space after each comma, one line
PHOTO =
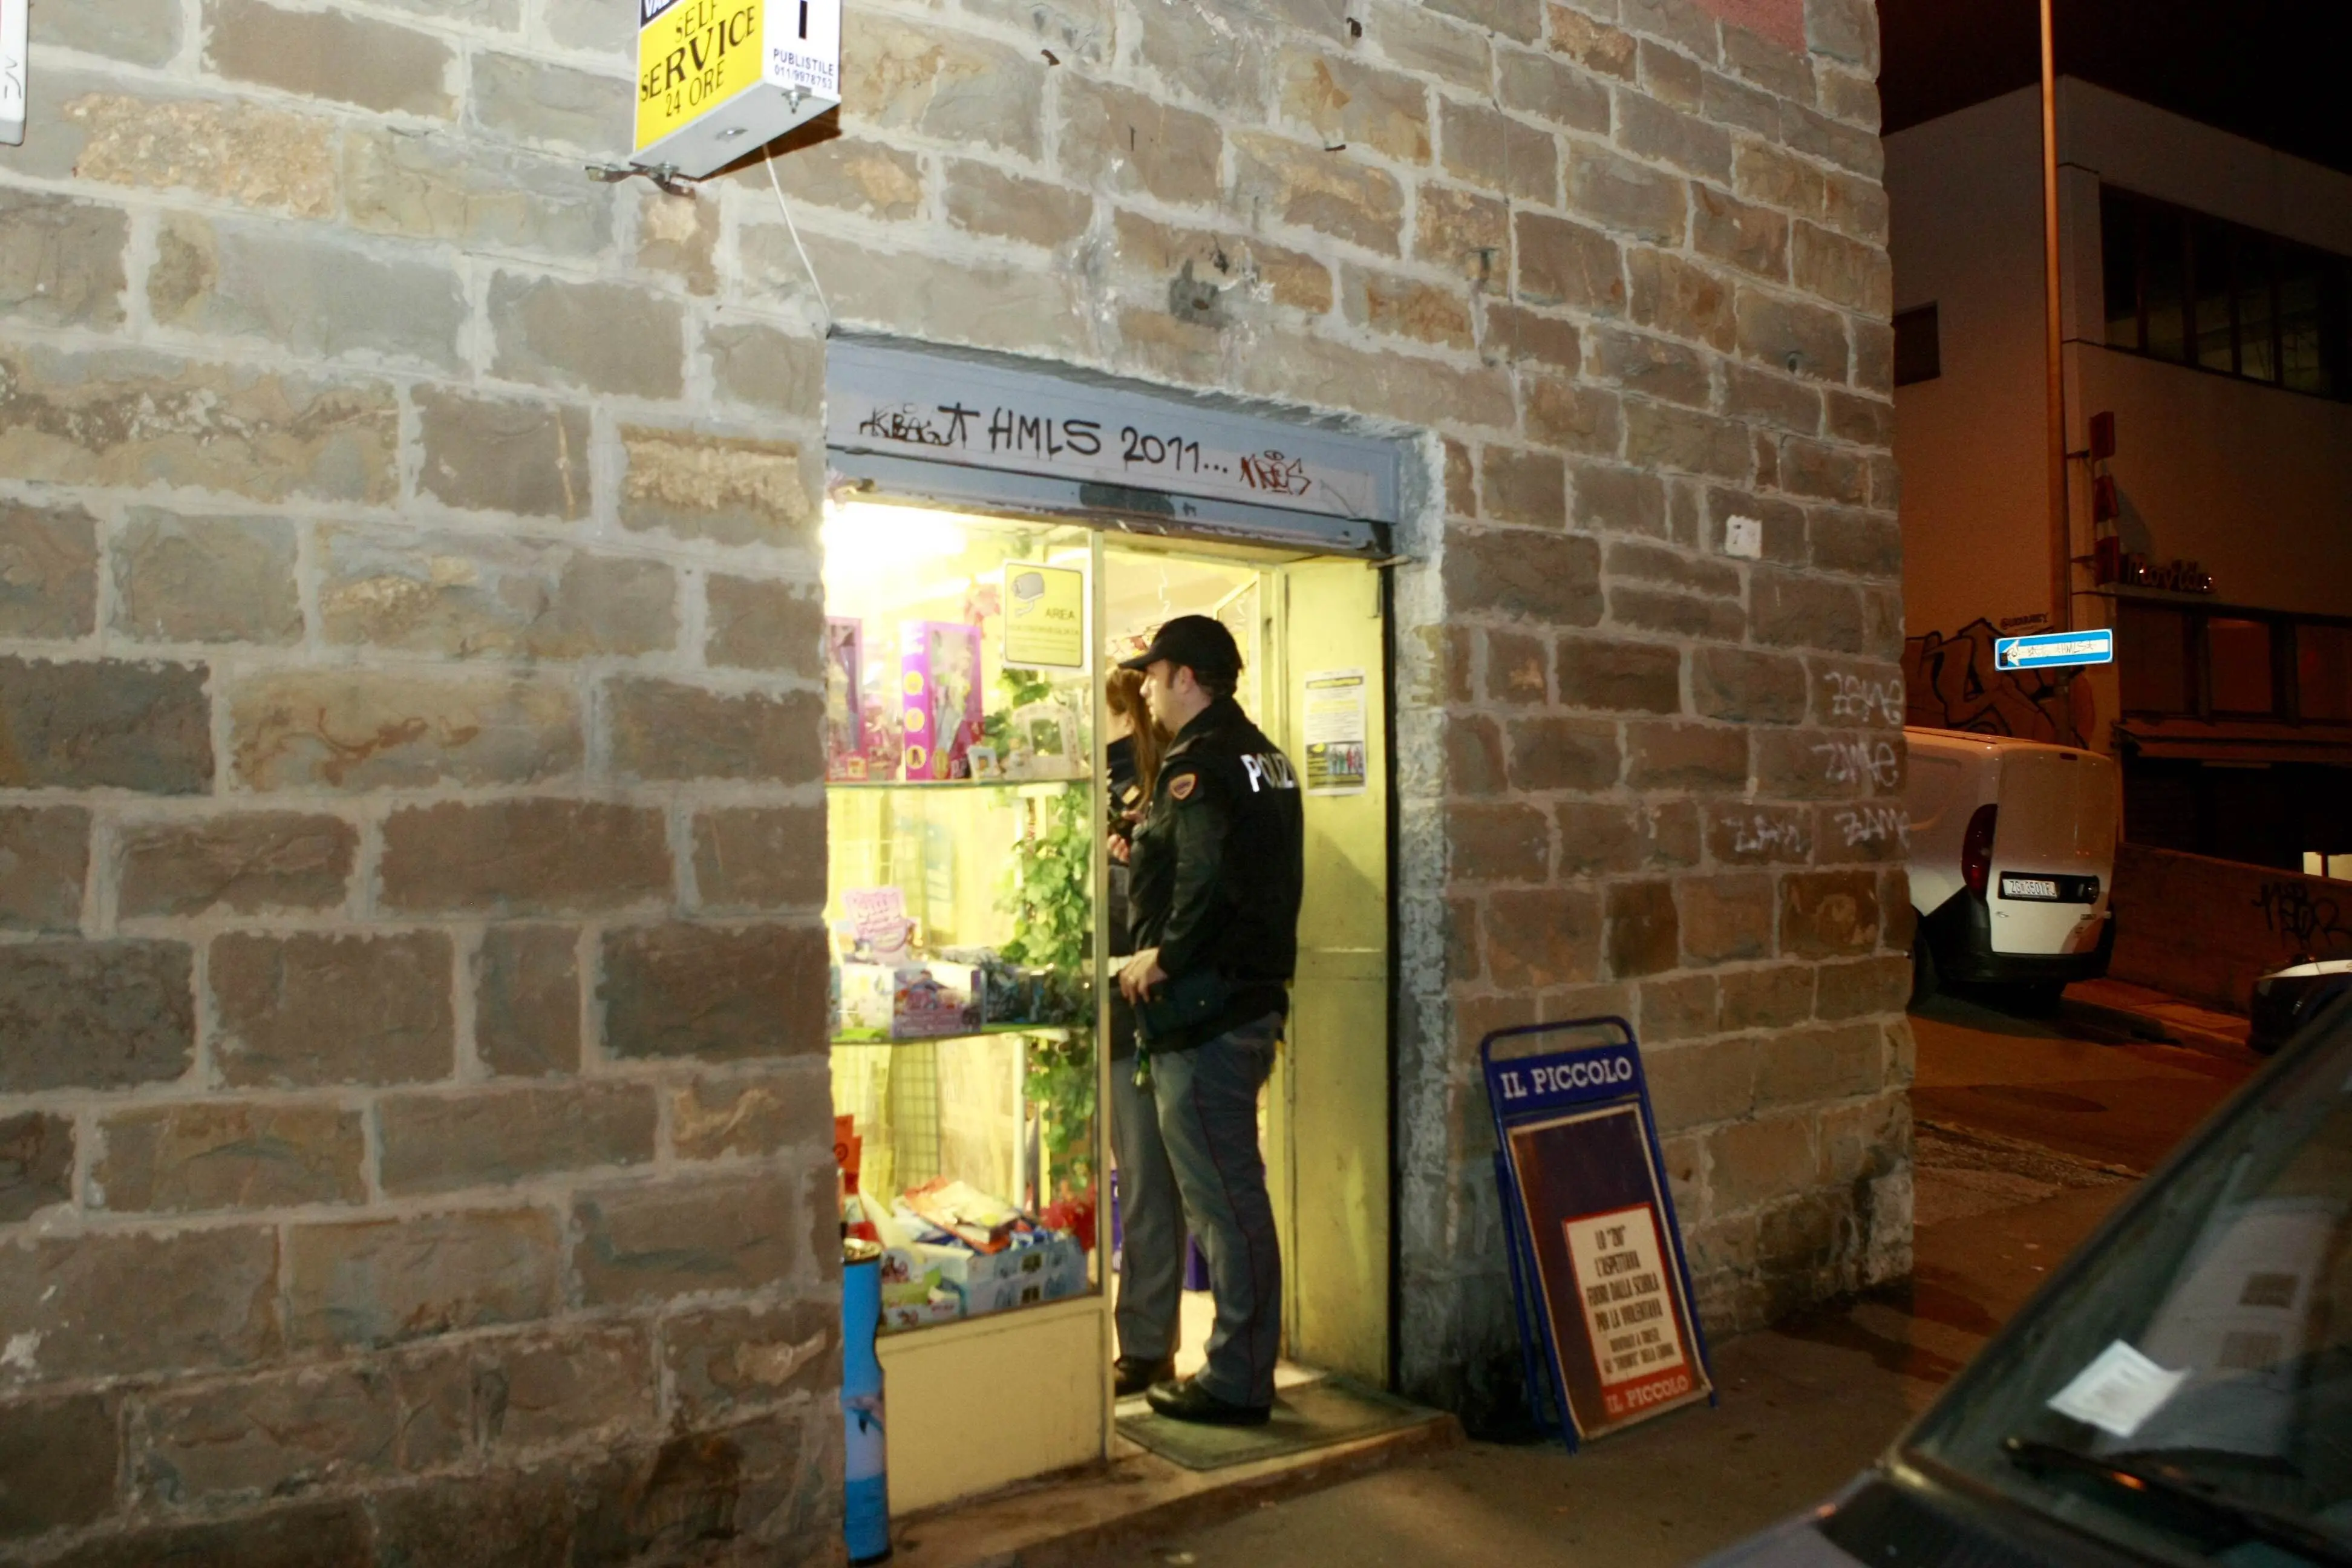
[(1607, 1329)]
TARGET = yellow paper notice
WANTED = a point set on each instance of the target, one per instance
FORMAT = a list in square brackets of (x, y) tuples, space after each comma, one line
[(692, 57), (1045, 616)]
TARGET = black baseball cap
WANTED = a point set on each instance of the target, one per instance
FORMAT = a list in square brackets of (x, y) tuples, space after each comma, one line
[(1198, 643)]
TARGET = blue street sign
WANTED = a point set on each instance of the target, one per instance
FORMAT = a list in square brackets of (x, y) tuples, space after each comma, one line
[(2052, 650)]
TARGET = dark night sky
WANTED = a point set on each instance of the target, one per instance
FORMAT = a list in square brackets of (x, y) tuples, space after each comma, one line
[(2277, 72)]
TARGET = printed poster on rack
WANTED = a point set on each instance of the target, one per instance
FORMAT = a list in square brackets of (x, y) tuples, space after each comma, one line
[(1045, 616), (1333, 727), (1610, 1289)]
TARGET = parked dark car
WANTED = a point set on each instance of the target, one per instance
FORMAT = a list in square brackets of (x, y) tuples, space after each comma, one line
[(2180, 1392), (2286, 999)]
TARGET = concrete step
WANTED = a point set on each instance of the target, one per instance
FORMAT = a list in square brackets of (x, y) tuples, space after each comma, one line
[(1083, 1516)]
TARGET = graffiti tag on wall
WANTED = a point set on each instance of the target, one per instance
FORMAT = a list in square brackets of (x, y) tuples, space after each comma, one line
[(1951, 682), (2312, 925)]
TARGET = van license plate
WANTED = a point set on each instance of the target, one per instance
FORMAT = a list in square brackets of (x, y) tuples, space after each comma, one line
[(2028, 888)]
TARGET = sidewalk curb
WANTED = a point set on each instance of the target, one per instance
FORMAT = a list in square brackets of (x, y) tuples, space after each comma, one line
[(1073, 1542), (2159, 1032)]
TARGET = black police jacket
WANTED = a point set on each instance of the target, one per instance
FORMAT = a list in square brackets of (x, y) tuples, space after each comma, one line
[(1216, 867)]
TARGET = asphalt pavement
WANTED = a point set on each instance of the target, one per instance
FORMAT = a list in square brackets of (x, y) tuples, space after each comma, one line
[(2029, 1132)]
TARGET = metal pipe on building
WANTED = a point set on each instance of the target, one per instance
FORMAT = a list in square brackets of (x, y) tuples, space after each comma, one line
[(2062, 550)]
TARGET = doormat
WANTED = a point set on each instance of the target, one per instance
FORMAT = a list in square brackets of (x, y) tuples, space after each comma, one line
[(1310, 1416)]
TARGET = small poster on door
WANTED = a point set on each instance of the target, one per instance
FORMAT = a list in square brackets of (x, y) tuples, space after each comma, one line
[(1333, 728)]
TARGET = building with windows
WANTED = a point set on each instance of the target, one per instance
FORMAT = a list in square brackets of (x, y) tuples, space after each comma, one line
[(2206, 285)]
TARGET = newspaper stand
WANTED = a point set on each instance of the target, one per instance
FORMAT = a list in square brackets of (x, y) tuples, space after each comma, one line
[(1607, 1330)]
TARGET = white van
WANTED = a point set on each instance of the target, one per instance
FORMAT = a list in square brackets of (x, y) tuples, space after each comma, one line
[(2012, 860)]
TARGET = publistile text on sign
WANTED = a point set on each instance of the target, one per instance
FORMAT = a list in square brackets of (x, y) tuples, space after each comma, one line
[(716, 79)]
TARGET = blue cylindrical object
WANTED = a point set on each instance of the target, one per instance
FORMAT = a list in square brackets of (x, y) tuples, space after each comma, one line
[(864, 1470)]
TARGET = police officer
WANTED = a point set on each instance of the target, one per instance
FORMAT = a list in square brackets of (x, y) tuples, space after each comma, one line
[(1214, 873)]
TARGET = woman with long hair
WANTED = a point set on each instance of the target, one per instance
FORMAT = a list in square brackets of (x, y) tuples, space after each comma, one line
[(1151, 1212)]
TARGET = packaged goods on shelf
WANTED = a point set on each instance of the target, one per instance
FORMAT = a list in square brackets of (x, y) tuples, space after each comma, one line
[(868, 994), (914, 1001), (992, 1255), (944, 1306), (963, 1213), (1053, 1266), (1044, 742), (1014, 994), (845, 699), (939, 667), (877, 929), (932, 1000)]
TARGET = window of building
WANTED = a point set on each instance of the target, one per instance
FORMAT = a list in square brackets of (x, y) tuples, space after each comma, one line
[(1918, 346), (2120, 239), (2209, 295), (2194, 290), (2257, 322), (2323, 673), (2154, 644), (2238, 657), (2311, 295), (2166, 285)]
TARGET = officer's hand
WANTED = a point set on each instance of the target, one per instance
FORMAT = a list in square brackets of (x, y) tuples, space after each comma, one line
[(1141, 975), (1118, 850)]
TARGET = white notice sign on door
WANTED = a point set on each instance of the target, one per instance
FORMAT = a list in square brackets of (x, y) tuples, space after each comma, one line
[(1332, 727)]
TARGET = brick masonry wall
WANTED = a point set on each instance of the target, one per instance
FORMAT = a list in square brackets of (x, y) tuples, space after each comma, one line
[(415, 1137), (1620, 264), (410, 1076)]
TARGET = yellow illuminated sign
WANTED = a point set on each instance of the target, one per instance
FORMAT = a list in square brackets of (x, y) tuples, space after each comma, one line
[(692, 57), (1045, 616)]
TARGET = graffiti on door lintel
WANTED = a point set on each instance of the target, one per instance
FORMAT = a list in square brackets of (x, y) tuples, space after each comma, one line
[(1951, 682)]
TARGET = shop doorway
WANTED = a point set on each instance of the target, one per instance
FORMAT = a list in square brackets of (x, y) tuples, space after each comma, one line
[(995, 536), (1314, 677)]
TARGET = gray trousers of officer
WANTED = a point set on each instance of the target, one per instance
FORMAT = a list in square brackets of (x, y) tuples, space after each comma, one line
[(1151, 1222), (1206, 1100)]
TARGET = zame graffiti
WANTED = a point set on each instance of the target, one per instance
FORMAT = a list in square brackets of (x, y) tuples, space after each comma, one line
[(1951, 683)]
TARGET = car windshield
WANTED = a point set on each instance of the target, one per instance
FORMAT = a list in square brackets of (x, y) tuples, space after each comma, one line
[(2186, 1392)]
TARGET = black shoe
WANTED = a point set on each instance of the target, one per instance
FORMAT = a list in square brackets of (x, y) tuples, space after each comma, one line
[(1188, 1401), (1134, 1374)]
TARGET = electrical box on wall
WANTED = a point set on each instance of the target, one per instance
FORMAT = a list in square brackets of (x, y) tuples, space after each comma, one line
[(718, 78)]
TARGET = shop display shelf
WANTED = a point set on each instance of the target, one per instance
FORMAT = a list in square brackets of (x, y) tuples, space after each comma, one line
[(870, 1038), (929, 786)]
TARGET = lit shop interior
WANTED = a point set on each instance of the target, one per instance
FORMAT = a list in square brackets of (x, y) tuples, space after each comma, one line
[(966, 652)]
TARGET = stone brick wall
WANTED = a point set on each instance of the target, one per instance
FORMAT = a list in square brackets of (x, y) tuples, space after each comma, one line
[(412, 1117), (414, 1136), (1622, 265)]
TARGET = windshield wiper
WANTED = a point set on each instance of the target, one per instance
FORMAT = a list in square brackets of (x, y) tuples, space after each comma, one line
[(2293, 1531)]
